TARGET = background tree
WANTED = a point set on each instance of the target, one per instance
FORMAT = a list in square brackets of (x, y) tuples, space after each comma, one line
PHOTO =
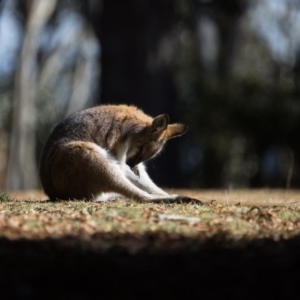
[(215, 65), (22, 161)]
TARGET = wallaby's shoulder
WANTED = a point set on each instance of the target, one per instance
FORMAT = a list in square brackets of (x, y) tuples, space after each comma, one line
[(119, 113), (108, 113), (103, 124), (116, 120)]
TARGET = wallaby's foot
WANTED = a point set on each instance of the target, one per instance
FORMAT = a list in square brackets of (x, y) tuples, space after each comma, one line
[(174, 199)]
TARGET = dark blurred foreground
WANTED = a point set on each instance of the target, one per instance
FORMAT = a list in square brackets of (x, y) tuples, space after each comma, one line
[(211, 269)]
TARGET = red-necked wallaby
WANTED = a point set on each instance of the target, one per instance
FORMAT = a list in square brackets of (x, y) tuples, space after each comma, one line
[(99, 153)]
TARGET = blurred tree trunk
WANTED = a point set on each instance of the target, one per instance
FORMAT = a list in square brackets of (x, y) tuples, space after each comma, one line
[(226, 15), (22, 167), (297, 74), (137, 51)]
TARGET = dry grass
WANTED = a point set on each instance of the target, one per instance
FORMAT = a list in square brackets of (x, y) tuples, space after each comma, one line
[(234, 215), (263, 197)]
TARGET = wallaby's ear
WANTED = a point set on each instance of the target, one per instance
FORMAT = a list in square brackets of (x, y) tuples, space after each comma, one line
[(175, 130), (160, 123)]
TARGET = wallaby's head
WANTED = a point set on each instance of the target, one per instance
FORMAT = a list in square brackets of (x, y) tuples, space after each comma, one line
[(150, 141)]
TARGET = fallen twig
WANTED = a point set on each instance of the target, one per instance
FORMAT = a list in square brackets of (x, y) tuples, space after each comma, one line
[(164, 217)]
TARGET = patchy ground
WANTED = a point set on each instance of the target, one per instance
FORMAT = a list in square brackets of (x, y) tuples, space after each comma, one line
[(269, 197), (240, 244), (238, 215)]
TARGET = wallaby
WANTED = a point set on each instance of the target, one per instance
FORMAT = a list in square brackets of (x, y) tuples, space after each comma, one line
[(99, 154)]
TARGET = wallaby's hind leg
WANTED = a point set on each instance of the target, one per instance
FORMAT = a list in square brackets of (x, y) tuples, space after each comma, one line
[(83, 170)]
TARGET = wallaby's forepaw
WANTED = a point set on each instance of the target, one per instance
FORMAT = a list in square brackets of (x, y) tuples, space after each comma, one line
[(175, 199)]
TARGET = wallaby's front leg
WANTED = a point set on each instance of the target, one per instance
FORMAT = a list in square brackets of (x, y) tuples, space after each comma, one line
[(139, 177), (146, 181), (137, 189), (124, 186)]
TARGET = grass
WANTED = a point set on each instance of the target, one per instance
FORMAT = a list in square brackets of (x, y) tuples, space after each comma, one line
[(114, 222), (239, 245)]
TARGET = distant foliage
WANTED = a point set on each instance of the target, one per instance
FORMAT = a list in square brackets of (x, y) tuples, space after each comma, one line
[(229, 69)]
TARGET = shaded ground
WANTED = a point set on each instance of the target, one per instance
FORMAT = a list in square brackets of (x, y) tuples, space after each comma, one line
[(214, 270), (159, 261)]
